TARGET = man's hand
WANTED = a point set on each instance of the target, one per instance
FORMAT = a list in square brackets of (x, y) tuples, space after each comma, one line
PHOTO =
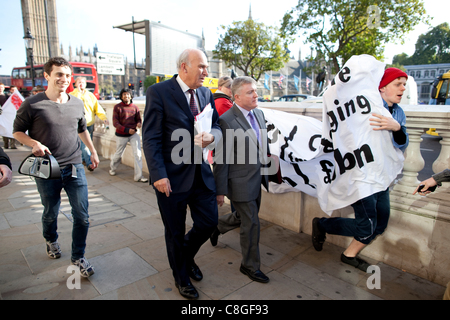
[(39, 149), (203, 139), (427, 183), (220, 200), (384, 123), (94, 160), (163, 186), (5, 175)]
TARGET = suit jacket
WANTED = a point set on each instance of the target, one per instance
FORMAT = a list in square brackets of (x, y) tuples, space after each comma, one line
[(237, 169), (167, 116)]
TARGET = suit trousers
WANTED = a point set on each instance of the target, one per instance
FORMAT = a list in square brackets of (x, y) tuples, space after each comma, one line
[(246, 217), (181, 246)]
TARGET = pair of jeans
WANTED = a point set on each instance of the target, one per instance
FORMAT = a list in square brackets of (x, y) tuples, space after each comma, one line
[(371, 219), (85, 152), (77, 192)]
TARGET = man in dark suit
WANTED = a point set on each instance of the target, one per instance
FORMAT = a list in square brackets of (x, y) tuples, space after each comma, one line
[(243, 168), (174, 157)]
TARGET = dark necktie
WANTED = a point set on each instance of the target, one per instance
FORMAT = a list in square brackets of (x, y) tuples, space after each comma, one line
[(192, 103)]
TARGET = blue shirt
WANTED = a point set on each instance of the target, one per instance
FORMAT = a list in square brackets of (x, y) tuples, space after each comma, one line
[(399, 115)]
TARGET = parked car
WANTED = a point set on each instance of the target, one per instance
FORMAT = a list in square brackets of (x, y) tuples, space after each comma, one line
[(295, 97)]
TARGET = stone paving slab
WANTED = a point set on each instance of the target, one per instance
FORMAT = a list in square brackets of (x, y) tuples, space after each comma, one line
[(126, 245), (119, 268)]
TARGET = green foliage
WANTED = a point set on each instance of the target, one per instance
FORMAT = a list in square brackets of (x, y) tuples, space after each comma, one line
[(149, 81), (252, 47), (342, 28), (431, 48)]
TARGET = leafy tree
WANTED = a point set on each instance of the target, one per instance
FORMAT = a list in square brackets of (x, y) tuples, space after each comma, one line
[(342, 28), (149, 81), (400, 59), (433, 46), (252, 47)]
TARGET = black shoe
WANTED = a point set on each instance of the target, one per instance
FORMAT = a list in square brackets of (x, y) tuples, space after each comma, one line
[(318, 236), (255, 275), (214, 237), (194, 272), (355, 262), (188, 291)]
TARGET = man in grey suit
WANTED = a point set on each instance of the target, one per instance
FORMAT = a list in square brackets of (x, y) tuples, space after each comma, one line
[(239, 170)]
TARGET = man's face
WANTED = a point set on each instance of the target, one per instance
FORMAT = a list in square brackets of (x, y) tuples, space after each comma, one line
[(393, 92), (59, 78), (126, 98), (246, 97), (2, 88), (194, 73), (81, 84)]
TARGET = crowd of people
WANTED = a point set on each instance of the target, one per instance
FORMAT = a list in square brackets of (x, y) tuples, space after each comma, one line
[(54, 122)]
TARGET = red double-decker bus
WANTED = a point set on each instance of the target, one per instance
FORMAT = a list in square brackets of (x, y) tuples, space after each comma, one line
[(21, 77)]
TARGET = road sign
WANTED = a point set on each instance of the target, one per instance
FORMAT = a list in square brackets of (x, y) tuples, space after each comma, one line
[(110, 63)]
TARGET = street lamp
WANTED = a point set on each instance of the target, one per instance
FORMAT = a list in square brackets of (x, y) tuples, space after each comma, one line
[(29, 43)]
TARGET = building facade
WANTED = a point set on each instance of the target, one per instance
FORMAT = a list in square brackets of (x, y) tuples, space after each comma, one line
[(424, 75)]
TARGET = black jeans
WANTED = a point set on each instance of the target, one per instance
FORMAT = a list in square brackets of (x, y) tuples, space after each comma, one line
[(371, 219)]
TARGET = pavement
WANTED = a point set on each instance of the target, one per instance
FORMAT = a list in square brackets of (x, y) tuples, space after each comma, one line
[(126, 246)]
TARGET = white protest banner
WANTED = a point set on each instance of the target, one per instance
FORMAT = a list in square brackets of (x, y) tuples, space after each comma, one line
[(8, 115), (342, 159)]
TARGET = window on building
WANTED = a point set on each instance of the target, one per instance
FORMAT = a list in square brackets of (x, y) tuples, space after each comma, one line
[(418, 74)]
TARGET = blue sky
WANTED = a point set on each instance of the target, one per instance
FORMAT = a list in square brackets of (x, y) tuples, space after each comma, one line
[(91, 22)]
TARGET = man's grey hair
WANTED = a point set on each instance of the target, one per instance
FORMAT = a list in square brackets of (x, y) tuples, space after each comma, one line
[(239, 82), (184, 58)]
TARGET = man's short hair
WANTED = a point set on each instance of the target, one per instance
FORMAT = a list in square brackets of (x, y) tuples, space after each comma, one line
[(56, 61), (239, 82)]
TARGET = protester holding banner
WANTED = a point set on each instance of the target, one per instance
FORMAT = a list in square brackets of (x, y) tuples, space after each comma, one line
[(371, 212), (3, 96), (8, 142)]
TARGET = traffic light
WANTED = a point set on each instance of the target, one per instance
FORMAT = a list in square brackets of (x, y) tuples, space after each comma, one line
[(129, 86)]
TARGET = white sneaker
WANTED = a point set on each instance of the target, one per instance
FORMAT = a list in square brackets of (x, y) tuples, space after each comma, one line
[(112, 173), (53, 249), (142, 180), (86, 269)]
